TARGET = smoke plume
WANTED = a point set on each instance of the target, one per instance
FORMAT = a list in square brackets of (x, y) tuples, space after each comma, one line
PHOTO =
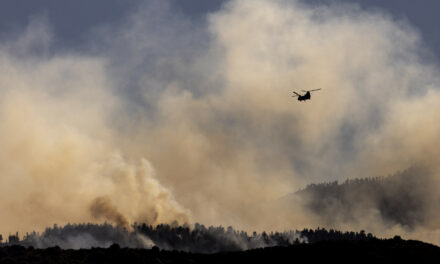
[(103, 207), (172, 119)]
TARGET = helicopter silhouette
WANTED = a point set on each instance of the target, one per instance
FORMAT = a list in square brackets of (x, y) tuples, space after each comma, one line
[(306, 96)]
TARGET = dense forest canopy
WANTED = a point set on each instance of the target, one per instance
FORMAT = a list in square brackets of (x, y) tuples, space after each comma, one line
[(197, 239)]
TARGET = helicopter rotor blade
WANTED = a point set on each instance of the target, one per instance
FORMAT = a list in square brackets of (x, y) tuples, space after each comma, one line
[(296, 94), (315, 90)]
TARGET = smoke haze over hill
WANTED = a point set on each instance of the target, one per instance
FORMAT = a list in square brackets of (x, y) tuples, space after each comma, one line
[(161, 118), (402, 203)]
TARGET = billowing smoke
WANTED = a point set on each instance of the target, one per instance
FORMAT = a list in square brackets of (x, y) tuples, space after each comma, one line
[(172, 119), (103, 207), (59, 152)]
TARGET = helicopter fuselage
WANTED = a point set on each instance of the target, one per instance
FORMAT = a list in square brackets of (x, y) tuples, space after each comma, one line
[(304, 97)]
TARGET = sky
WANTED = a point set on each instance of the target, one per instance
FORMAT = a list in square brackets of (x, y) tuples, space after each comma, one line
[(72, 20), (161, 111)]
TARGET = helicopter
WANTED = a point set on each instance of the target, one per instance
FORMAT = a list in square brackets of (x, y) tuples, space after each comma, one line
[(306, 96)]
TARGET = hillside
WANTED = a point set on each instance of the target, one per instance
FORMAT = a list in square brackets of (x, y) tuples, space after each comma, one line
[(197, 239), (409, 198), (344, 251)]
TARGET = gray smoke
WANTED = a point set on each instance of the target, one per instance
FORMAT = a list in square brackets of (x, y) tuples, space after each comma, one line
[(86, 236), (197, 239), (408, 199)]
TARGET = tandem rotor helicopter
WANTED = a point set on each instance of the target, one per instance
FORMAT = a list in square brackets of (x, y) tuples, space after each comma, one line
[(306, 96)]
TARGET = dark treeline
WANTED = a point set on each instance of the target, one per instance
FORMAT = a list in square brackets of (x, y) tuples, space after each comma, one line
[(342, 251), (321, 234), (196, 239), (214, 239), (407, 198), (83, 236)]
